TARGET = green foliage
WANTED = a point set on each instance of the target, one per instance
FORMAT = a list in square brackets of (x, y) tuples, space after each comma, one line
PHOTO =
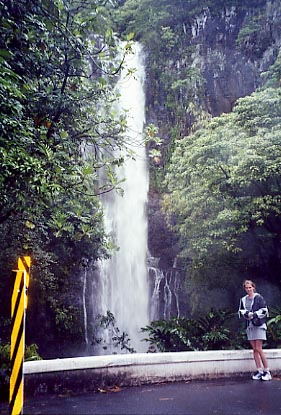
[(51, 98), (208, 332), (248, 31), (59, 63), (215, 330), (164, 31), (273, 75), (253, 37), (31, 353), (147, 17), (274, 327), (106, 324), (175, 61), (224, 184), (5, 355)]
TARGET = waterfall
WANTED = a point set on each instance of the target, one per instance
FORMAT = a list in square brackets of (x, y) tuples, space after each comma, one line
[(158, 276), (164, 289), (123, 278)]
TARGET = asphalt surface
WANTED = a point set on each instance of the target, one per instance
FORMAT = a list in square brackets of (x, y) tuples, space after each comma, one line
[(220, 397)]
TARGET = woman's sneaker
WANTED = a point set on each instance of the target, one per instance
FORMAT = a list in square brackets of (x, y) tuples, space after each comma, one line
[(258, 376), (266, 376)]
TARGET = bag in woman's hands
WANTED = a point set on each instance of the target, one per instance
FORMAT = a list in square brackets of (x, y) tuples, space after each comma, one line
[(258, 321)]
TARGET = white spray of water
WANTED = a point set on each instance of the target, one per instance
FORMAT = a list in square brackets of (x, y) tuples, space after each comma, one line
[(155, 298), (124, 279), (165, 302)]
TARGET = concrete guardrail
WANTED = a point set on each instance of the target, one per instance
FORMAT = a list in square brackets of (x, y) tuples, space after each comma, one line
[(89, 373)]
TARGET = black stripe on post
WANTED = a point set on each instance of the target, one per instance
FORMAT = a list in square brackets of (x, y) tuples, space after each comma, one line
[(17, 301), (26, 266), (16, 349), (16, 389)]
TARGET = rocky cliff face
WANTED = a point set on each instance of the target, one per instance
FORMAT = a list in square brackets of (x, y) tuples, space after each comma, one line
[(228, 51), (233, 50)]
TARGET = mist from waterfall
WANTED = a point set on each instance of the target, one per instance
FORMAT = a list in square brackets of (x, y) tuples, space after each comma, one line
[(123, 281)]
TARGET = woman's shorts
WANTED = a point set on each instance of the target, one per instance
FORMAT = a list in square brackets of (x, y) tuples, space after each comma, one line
[(256, 333)]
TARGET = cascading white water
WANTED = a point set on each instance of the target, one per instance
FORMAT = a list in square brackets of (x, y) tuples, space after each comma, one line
[(123, 278), (165, 286)]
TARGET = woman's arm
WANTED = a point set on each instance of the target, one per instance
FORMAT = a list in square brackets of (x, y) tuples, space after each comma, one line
[(243, 311), (259, 307)]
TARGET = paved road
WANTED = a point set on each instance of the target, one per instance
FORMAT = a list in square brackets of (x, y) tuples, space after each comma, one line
[(219, 397)]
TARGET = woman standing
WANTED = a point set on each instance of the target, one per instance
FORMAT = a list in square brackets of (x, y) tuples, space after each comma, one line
[(253, 308)]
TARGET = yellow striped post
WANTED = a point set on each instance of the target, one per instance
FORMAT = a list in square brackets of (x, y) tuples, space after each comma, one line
[(18, 307)]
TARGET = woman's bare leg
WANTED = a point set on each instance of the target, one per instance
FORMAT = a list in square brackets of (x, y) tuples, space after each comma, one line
[(261, 353), (257, 356)]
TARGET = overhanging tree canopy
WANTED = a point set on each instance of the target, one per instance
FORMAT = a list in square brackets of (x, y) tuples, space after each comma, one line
[(58, 66), (224, 181)]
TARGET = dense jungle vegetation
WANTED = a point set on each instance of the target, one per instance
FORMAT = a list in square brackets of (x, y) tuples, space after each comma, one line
[(224, 190), (58, 68), (219, 177)]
